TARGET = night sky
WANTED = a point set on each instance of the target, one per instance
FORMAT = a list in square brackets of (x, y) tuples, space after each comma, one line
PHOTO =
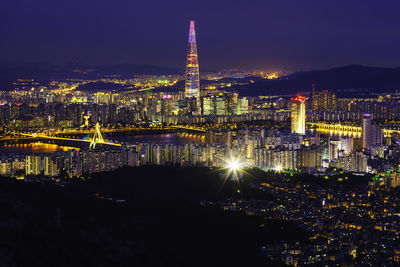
[(247, 34)]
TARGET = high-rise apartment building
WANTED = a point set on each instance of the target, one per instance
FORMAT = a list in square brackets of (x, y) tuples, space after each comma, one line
[(366, 131), (242, 106), (372, 135), (50, 166), (102, 98), (33, 164), (326, 147), (324, 100)]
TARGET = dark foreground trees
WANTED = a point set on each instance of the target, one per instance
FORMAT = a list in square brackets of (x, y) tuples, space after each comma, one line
[(158, 223)]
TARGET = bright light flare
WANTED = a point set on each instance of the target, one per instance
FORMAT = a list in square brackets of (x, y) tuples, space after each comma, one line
[(234, 164), (232, 168), (278, 168)]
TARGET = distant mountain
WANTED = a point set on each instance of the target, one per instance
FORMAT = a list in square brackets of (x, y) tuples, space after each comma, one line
[(74, 70), (346, 78), (373, 79)]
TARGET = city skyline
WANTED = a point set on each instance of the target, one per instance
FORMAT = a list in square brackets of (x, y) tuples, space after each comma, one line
[(253, 35), (140, 165)]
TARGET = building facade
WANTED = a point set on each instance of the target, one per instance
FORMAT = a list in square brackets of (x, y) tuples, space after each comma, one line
[(298, 115)]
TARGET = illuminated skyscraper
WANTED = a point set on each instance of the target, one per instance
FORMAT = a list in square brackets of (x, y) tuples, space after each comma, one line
[(366, 131), (298, 114), (192, 82)]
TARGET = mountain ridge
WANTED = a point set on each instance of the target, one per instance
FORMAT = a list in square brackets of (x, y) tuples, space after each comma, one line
[(75, 70), (368, 78), (374, 79)]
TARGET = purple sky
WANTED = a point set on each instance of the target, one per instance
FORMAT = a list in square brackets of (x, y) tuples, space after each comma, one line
[(248, 34)]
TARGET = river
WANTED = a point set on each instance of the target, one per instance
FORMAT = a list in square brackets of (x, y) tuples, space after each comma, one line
[(39, 147)]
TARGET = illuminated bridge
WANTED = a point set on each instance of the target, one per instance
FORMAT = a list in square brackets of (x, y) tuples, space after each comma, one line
[(92, 138), (345, 130), (191, 128), (335, 129)]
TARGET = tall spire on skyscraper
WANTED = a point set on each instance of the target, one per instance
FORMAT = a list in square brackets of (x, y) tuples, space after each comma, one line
[(192, 81)]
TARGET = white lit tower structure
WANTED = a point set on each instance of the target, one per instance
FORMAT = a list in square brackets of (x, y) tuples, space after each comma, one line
[(298, 114), (192, 80), (97, 137)]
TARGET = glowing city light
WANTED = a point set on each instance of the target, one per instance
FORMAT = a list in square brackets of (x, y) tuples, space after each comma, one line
[(234, 165), (272, 76), (233, 169)]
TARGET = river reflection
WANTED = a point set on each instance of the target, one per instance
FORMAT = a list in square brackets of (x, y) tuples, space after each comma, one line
[(39, 147), (36, 147)]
